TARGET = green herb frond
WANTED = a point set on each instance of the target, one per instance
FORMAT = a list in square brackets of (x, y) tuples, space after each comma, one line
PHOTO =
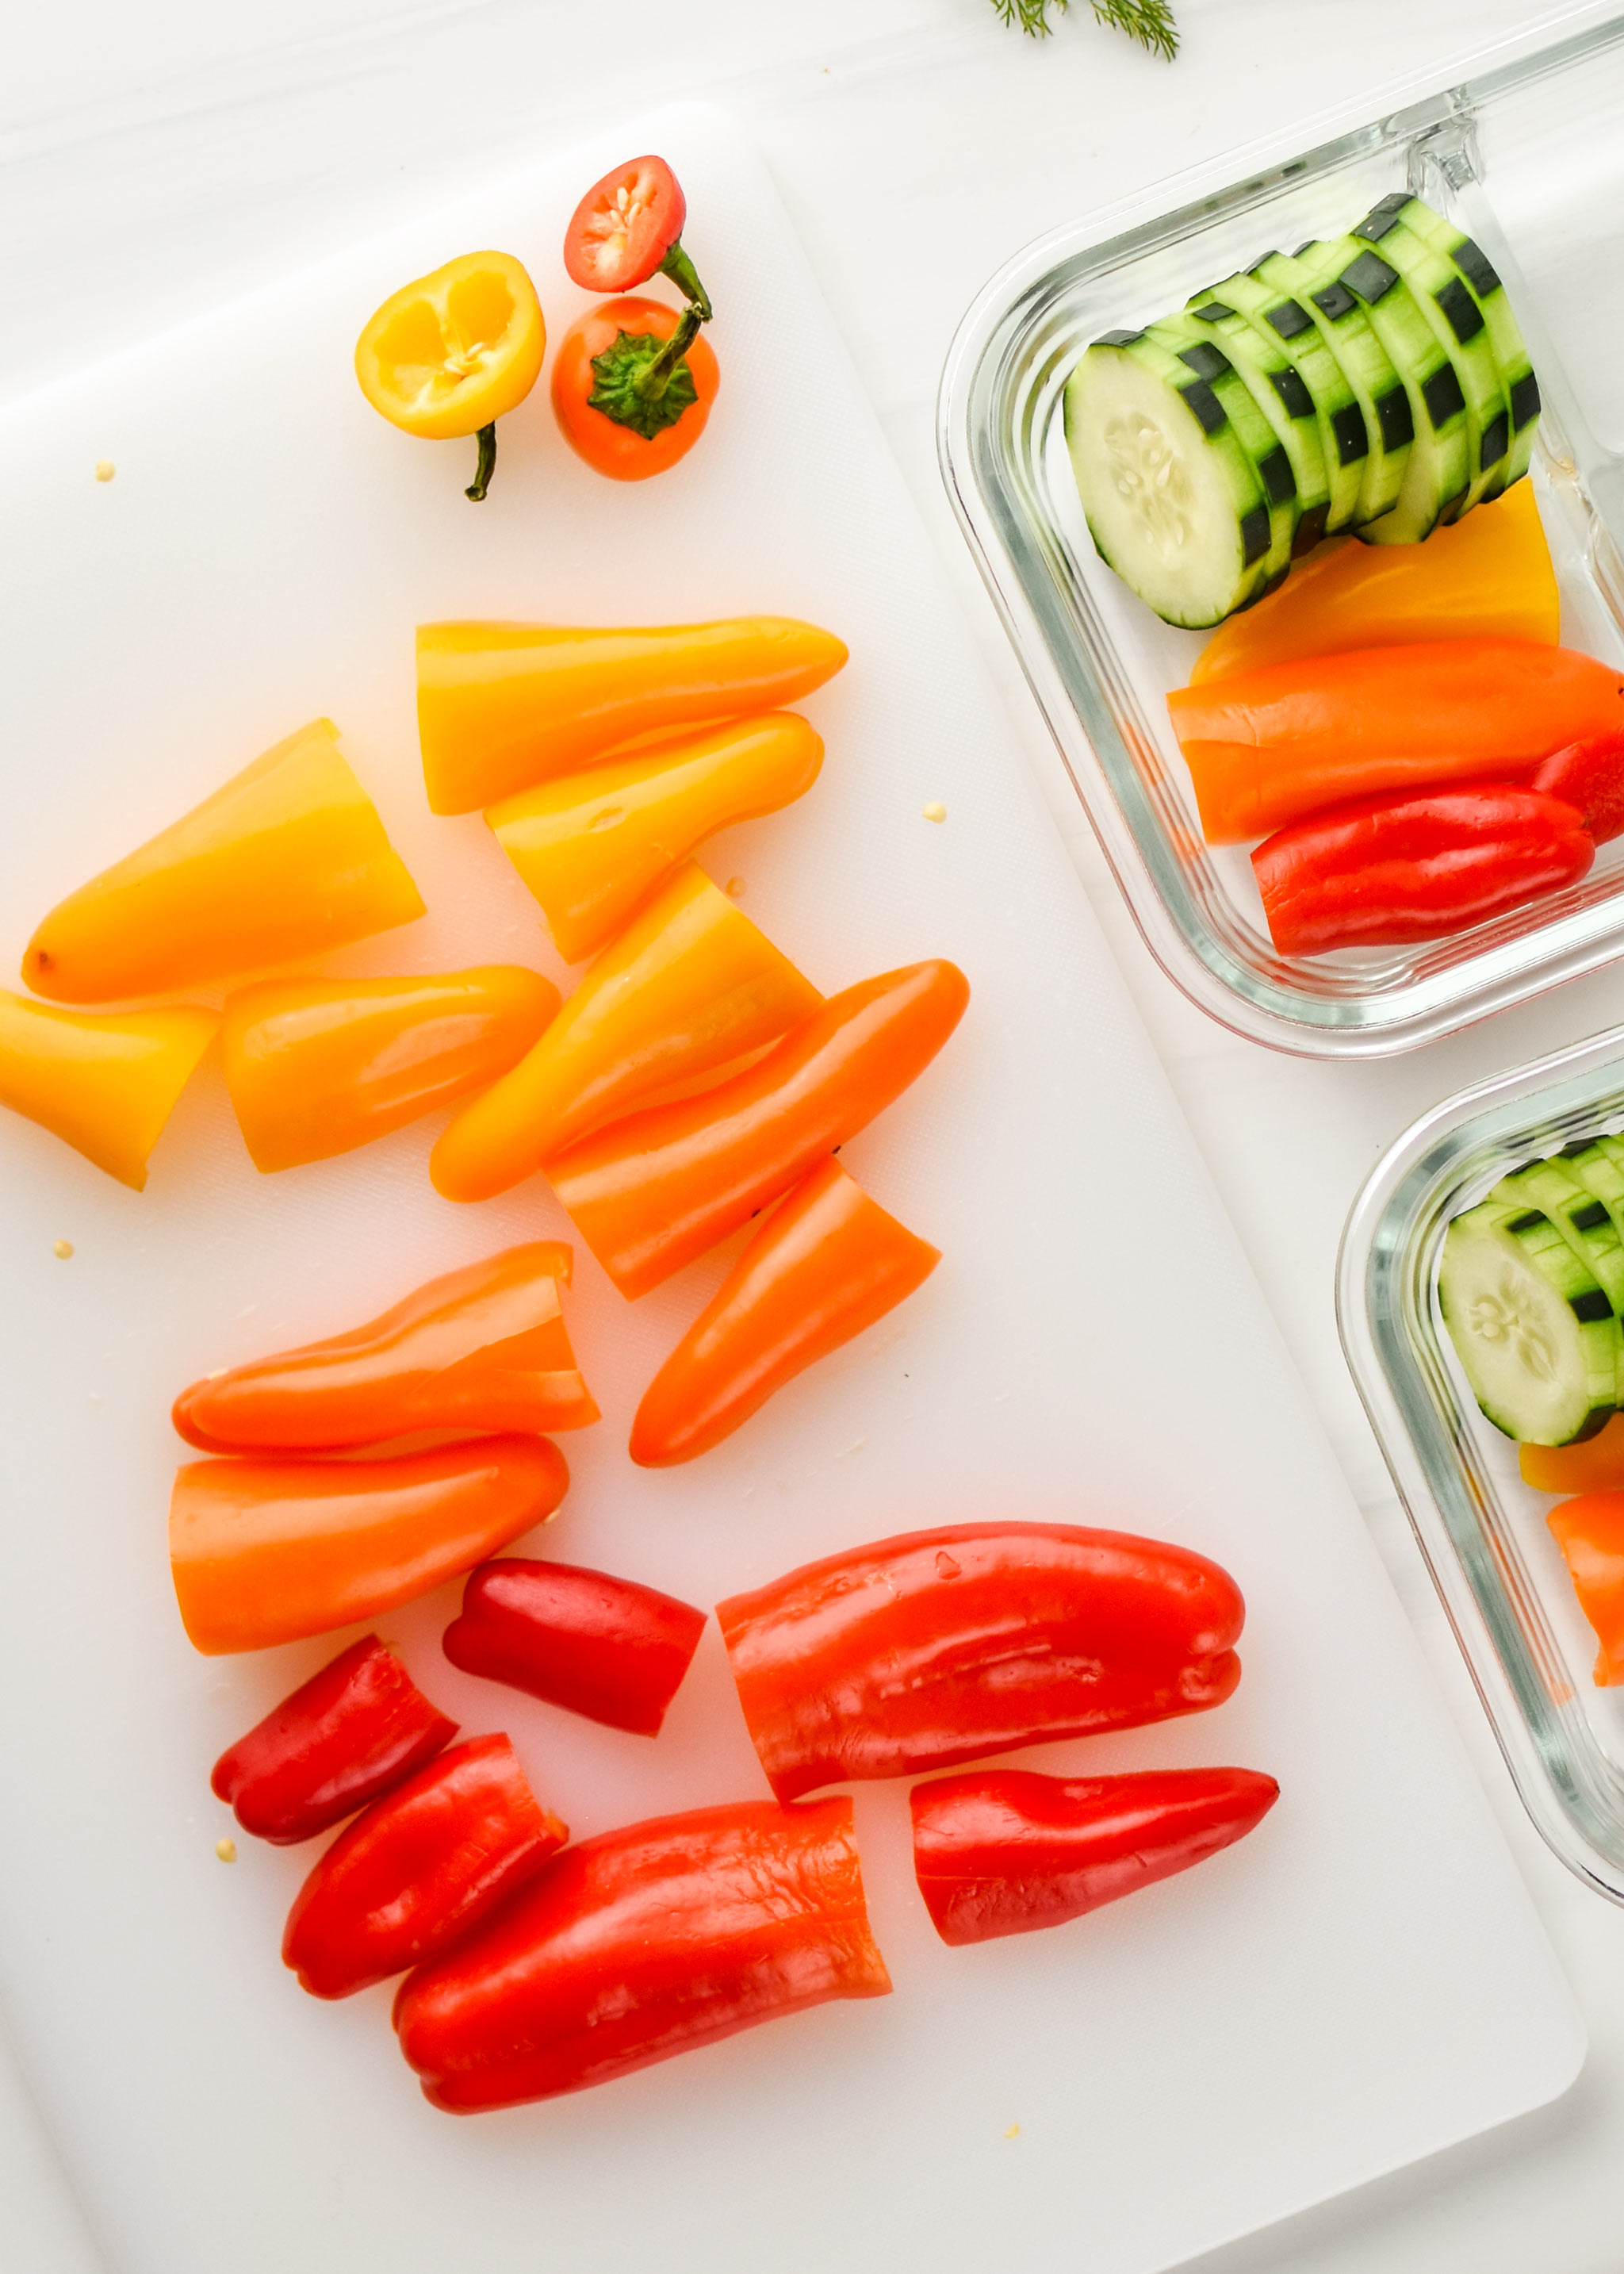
[(1150, 22)]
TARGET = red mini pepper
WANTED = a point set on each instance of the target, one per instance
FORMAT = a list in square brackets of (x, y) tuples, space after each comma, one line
[(1384, 871), (627, 228), (598, 1646), (1003, 1851), (418, 1869), (642, 1944), (340, 1740), (1589, 775), (930, 1648)]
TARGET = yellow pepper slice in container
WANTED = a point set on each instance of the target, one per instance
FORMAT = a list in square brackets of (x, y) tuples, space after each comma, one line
[(318, 1066), (592, 846), (449, 354), (288, 860), (105, 1084), (690, 989)]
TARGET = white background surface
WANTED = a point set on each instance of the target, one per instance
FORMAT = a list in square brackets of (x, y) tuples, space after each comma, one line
[(157, 164)]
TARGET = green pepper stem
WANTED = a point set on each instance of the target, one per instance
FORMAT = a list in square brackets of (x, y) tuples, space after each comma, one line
[(652, 383), (685, 276), (487, 463)]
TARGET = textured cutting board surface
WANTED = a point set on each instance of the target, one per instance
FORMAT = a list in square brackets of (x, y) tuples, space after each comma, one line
[(1360, 1982)]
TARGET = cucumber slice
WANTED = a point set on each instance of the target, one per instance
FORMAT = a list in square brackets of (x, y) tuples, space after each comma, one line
[(1602, 1178), (1537, 1337), (1459, 325), (1553, 1189), (1436, 475), (1186, 339), (1482, 280), (1289, 330), (1278, 390), (1173, 498), (1383, 400)]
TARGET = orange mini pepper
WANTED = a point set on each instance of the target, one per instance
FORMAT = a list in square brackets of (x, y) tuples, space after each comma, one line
[(592, 846), (104, 1083), (288, 859), (482, 1348), (1595, 1465), (690, 988), (265, 1552), (1265, 747), (827, 1262), (318, 1066), (502, 706), (1590, 1532), (650, 1194), (1488, 576)]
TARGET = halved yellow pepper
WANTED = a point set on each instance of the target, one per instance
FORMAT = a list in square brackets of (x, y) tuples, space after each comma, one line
[(1488, 576), (503, 706), (689, 989), (106, 1084), (318, 1066), (451, 353), (288, 859), (592, 846)]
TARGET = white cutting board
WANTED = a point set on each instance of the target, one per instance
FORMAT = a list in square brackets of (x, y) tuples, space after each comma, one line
[(1360, 1982)]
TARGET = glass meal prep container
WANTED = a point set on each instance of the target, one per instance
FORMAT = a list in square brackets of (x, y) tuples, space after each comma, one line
[(1530, 161), (1497, 1568)]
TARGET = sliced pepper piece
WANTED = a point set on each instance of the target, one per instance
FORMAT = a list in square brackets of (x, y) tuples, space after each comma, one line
[(105, 1083), (1383, 871), (1488, 576), (342, 1738), (485, 1348), (1590, 776), (604, 1647), (827, 1262), (1003, 1851), (627, 228), (503, 706), (641, 1944), (650, 1194), (1266, 747), (317, 1066), (592, 846), (1595, 1464), (925, 1650), (288, 859), (1590, 1532), (451, 353), (420, 1868), (265, 1552), (690, 988)]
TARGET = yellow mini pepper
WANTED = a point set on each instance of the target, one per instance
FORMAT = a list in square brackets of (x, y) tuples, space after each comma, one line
[(503, 706), (288, 859), (105, 1084), (592, 846), (689, 989)]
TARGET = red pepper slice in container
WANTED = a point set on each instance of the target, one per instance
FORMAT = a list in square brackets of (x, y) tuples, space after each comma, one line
[(1004, 1851), (604, 1647), (969, 1638), (1589, 775), (639, 1944), (420, 1869), (1384, 871), (627, 228), (338, 1742)]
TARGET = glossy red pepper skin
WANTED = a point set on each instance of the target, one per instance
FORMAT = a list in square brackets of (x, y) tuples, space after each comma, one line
[(340, 1740), (642, 1944), (969, 1638), (1386, 871), (604, 1647), (420, 1869), (1590, 776), (1004, 1851)]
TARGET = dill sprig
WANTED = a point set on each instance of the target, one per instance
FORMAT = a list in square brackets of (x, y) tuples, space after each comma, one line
[(1150, 22)]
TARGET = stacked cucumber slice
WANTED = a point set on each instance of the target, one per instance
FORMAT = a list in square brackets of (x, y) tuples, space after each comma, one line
[(1377, 381), (1531, 1290)]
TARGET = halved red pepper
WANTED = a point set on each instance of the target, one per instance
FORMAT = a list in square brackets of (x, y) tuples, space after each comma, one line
[(420, 1869), (1003, 1851), (482, 1348), (627, 228), (595, 1644), (1588, 774), (340, 1740), (1384, 871), (1590, 1532), (935, 1646), (642, 1944)]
